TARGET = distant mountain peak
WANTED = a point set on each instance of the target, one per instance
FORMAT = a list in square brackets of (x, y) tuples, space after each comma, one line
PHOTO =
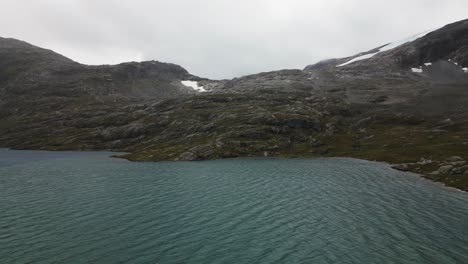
[(409, 57)]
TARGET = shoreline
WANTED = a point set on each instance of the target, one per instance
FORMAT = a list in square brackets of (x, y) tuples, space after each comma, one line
[(121, 155)]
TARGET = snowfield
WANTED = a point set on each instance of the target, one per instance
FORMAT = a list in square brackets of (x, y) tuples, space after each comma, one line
[(194, 86), (363, 57)]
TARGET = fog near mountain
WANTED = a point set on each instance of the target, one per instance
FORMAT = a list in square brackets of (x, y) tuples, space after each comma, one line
[(220, 38)]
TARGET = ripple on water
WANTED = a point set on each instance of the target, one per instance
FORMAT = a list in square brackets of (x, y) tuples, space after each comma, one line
[(88, 208)]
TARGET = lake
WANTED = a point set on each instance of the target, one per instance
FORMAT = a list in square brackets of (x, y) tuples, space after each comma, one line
[(85, 207)]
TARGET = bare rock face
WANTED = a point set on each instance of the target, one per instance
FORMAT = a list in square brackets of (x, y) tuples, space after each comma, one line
[(448, 42)]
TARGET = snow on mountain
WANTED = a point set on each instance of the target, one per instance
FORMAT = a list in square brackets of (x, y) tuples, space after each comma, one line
[(359, 58), (387, 47), (194, 86), (417, 70)]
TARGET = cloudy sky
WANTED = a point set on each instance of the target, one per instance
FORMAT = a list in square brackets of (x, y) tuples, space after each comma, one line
[(220, 38)]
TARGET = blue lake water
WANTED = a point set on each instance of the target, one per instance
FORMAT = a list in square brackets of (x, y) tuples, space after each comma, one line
[(84, 207)]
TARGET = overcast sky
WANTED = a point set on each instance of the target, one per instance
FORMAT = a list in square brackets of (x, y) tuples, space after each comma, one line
[(220, 38)]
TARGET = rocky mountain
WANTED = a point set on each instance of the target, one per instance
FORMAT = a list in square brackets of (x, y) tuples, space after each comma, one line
[(34, 77), (404, 103)]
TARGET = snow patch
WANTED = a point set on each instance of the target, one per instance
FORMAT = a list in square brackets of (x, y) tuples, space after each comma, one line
[(363, 57), (194, 85), (418, 70), (428, 63), (389, 46), (465, 69)]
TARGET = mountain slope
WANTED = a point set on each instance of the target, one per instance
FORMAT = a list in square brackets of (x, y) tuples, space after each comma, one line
[(447, 44), (36, 77)]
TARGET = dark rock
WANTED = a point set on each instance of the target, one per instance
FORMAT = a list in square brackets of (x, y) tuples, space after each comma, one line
[(456, 171), (300, 123), (116, 144), (401, 167), (315, 143), (132, 131), (188, 156)]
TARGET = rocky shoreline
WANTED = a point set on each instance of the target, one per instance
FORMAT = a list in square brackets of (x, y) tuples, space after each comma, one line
[(451, 169)]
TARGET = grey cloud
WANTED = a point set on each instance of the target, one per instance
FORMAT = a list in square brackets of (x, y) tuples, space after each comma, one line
[(220, 38)]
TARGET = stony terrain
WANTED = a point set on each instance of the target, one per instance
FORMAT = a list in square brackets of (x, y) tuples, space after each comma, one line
[(407, 106)]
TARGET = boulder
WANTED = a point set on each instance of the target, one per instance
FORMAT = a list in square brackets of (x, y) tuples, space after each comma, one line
[(132, 131), (460, 170), (424, 161), (445, 169), (315, 143), (400, 167), (109, 134), (116, 144), (456, 171), (203, 152), (188, 156), (454, 159), (457, 163)]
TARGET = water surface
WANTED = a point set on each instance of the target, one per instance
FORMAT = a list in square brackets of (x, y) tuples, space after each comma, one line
[(72, 207)]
